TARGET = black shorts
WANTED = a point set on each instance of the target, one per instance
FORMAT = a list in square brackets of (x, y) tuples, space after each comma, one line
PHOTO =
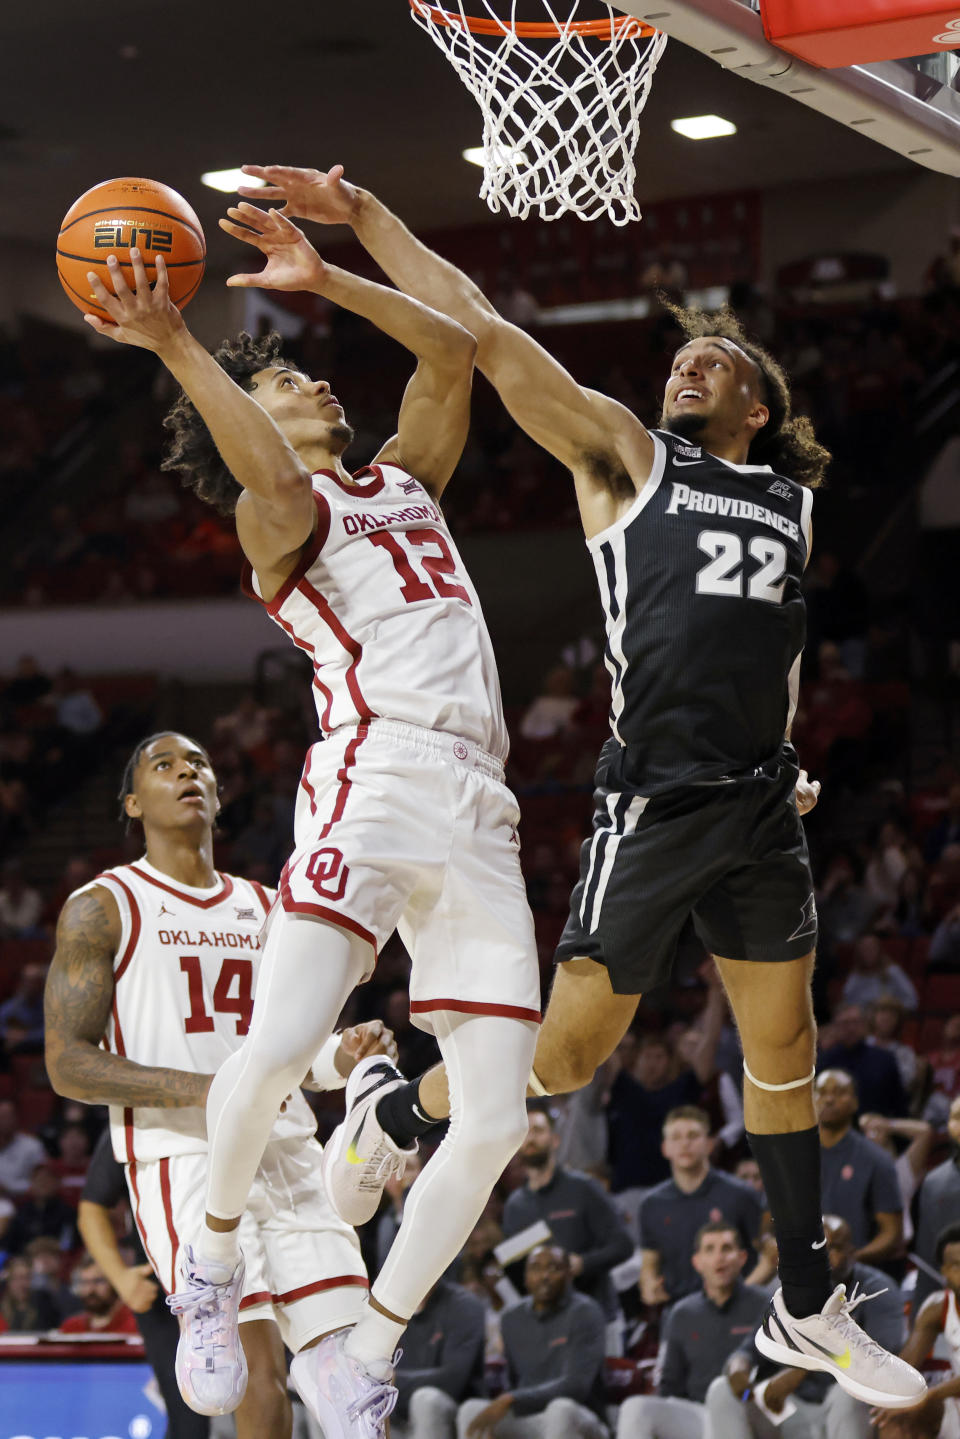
[(732, 856)]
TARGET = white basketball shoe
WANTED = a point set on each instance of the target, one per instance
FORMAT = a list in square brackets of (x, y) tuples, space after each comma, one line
[(345, 1398), (359, 1156), (211, 1365), (832, 1342)]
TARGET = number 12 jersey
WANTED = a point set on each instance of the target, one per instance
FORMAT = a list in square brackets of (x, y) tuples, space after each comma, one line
[(381, 603)]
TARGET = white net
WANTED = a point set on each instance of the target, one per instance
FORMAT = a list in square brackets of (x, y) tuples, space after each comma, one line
[(561, 100)]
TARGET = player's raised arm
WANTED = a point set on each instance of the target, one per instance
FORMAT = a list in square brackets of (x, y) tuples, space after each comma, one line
[(250, 444), (435, 414), (599, 440), (77, 1000)]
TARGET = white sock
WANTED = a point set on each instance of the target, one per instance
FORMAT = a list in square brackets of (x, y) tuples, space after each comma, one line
[(218, 1250), (373, 1342)]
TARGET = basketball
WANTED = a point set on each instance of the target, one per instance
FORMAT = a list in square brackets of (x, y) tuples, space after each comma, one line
[(115, 216)]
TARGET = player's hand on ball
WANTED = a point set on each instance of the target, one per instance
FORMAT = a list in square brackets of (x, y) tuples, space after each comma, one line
[(309, 194), (292, 262), (362, 1040), (807, 792), (141, 316), (138, 1288)]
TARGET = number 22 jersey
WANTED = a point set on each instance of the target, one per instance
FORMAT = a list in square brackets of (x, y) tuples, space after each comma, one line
[(701, 587), (185, 976), (382, 604)]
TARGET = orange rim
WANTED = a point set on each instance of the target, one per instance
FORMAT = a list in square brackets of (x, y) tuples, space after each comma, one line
[(533, 29)]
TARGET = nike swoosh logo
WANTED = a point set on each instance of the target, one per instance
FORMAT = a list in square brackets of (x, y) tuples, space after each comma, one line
[(821, 1244), (687, 462), (419, 1114), (352, 1156), (842, 1360)]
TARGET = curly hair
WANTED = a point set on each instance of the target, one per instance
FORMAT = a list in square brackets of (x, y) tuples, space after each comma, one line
[(787, 442), (191, 449)]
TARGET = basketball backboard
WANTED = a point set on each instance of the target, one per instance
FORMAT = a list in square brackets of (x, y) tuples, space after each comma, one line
[(911, 106)]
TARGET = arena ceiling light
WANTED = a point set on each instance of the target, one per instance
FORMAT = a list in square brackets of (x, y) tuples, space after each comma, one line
[(703, 127), (227, 180), (474, 155)]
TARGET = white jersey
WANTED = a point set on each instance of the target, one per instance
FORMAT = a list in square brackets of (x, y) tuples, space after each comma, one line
[(382, 604), (951, 1329), (185, 976)]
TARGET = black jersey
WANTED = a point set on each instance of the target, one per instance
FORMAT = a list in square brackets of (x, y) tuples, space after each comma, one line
[(701, 587)]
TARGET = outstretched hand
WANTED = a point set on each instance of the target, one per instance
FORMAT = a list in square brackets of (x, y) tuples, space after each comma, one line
[(309, 194), (139, 316), (292, 262)]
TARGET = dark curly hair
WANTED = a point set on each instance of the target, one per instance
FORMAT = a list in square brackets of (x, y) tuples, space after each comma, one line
[(787, 442), (191, 449)]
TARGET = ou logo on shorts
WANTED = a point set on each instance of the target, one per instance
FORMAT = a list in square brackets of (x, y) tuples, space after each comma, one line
[(327, 872), (951, 36), (460, 749)]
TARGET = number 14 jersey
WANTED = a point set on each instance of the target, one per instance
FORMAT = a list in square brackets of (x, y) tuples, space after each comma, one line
[(382, 604), (185, 977), (705, 618)]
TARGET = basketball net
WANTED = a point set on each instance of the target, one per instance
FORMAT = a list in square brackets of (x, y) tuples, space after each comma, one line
[(561, 101)]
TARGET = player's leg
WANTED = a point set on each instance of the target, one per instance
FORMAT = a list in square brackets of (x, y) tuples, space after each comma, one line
[(265, 1411), (307, 972), (774, 1013), (583, 1024), (487, 1059)]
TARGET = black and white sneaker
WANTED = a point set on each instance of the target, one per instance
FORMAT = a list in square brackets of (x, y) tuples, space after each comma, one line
[(360, 1156), (832, 1342)]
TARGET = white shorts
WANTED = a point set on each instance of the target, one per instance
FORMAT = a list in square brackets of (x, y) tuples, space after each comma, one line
[(399, 827), (304, 1267)]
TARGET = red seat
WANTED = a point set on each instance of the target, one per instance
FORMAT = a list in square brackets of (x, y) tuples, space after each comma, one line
[(916, 965), (35, 1107), (941, 993)]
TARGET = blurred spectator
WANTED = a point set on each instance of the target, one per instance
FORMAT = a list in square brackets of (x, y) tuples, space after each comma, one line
[(29, 684), (577, 1212), (945, 1061), (78, 871), (911, 1162), (673, 1213), (911, 914), (838, 609), (72, 1162), (859, 1181), (76, 709), (43, 1213), (943, 888), (23, 1012), (873, 1069), (648, 1085), (893, 857), (22, 1308), (553, 1343), (885, 1020), (19, 1153), (875, 976), (922, 1423), (748, 1172), (46, 1267), (943, 955), (441, 1364), (264, 841), (103, 1311), (701, 1333), (844, 906), (20, 904), (7, 1212), (938, 1205), (938, 1317), (946, 830), (551, 712)]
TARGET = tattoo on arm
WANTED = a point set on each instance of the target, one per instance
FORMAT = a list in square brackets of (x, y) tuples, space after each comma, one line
[(77, 1000)]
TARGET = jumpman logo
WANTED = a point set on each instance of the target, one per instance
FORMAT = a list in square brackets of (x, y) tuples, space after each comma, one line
[(163, 910), (808, 919)]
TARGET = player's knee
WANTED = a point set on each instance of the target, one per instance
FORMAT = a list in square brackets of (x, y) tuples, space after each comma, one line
[(791, 1033), (563, 1071), (493, 1138)]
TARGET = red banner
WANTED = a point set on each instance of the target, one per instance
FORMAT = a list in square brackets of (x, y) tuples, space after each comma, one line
[(831, 33)]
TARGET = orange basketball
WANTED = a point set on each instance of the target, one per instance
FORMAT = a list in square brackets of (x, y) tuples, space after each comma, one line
[(113, 217)]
